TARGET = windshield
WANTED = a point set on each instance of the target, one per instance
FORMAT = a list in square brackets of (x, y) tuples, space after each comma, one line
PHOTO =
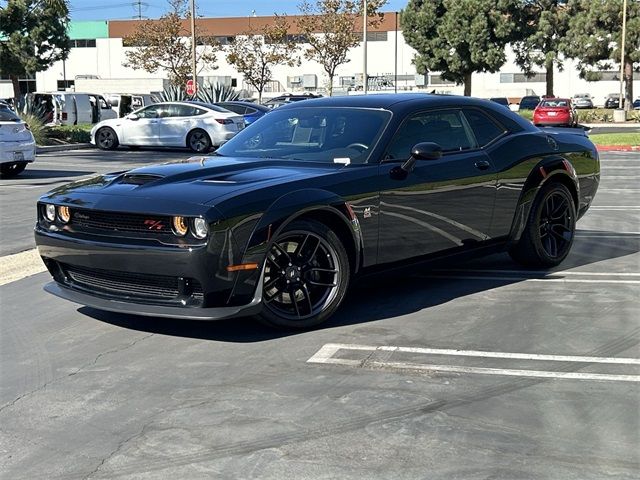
[(338, 135), (7, 115)]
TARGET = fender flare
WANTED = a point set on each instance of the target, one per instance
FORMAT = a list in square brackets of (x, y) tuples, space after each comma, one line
[(552, 168), (281, 213)]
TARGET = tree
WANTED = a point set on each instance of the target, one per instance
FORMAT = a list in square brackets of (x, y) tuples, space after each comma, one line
[(330, 29), (542, 28), (256, 52), (459, 37), (35, 37), (165, 44), (594, 37)]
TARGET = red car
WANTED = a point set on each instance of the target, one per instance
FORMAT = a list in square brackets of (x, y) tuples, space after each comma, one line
[(555, 111)]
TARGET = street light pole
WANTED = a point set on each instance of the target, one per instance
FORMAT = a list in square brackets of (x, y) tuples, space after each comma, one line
[(194, 72), (364, 44), (624, 32)]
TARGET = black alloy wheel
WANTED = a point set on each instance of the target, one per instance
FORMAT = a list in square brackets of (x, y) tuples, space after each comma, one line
[(106, 139), (9, 170), (550, 230), (198, 140), (306, 276)]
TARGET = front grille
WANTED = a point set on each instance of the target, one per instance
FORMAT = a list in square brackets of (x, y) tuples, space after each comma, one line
[(161, 288), (119, 222)]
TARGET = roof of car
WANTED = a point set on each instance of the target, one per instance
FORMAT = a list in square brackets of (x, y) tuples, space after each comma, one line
[(257, 106), (404, 103)]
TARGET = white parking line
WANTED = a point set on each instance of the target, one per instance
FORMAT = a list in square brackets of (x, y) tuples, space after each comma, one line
[(326, 356), (616, 207), (528, 279), (529, 272)]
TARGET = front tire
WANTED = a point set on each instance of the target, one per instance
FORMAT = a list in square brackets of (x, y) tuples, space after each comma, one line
[(199, 141), (306, 276), (550, 229), (9, 170), (106, 139)]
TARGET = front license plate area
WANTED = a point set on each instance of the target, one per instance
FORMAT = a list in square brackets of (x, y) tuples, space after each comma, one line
[(18, 156)]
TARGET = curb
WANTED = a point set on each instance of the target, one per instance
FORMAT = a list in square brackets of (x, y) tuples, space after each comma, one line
[(612, 125), (61, 148), (618, 148)]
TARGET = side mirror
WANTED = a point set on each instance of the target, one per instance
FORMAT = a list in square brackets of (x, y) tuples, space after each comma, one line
[(422, 151), (132, 116)]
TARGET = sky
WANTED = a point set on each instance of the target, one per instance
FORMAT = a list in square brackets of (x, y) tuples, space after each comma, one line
[(119, 9)]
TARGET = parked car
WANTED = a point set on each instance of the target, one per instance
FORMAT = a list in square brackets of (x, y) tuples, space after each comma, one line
[(250, 111), (501, 101), (288, 98), (636, 104), (555, 111), (293, 209), (582, 100), (68, 108), (612, 101), (124, 103), (195, 125), (17, 145), (529, 102)]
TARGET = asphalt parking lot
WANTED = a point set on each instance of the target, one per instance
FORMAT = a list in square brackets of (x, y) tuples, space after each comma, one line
[(480, 370)]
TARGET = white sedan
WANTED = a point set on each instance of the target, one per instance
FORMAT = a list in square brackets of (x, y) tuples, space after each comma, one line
[(195, 125), (17, 145)]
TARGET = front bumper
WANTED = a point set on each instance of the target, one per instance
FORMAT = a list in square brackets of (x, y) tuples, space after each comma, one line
[(113, 305), (98, 273)]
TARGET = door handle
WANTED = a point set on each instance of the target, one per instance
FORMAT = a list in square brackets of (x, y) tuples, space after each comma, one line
[(482, 164)]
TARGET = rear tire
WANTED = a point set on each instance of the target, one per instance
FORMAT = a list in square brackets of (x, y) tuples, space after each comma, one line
[(9, 170), (106, 139), (199, 141), (550, 229), (306, 276)]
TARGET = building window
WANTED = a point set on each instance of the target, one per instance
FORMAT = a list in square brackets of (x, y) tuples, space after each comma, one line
[(62, 85), (374, 36), (83, 43), (438, 80), (290, 38), (522, 78)]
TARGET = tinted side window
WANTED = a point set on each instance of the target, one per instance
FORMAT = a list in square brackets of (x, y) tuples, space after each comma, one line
[(149, 112), (443, 127), (485, 129), (234, 108)]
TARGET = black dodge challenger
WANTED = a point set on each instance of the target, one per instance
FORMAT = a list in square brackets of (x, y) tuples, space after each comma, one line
[(281, 219)]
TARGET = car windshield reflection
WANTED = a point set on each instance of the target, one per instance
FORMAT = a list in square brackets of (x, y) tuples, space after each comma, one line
[(340, 135)]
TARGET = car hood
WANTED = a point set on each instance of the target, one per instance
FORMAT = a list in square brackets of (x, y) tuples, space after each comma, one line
[(198, 180)]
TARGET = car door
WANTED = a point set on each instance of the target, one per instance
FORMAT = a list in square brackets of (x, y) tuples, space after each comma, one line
[(440, 204), (141, 127), (176, 121)]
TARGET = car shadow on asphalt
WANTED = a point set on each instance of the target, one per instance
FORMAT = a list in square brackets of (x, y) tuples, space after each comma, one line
[(390, 295)]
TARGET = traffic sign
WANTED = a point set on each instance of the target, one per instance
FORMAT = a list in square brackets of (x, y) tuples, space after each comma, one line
[(191, 87)]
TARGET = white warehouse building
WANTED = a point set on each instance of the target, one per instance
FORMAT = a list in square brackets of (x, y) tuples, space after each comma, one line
[(99, 47)]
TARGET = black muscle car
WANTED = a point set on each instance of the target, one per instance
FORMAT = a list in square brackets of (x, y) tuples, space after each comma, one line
[(286, 215)]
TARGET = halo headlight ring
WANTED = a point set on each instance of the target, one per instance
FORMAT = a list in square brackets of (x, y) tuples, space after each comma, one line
[(200, 228)]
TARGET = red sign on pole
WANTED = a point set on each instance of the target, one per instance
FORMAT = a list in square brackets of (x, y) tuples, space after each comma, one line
[(191, 87)]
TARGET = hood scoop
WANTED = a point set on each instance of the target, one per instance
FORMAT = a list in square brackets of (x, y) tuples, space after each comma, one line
[(139, 178)]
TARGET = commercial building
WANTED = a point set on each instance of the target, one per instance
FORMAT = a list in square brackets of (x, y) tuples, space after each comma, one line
[(99, 47)]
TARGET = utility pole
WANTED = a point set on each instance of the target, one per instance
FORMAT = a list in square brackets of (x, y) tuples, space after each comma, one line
[(364, 44), (624, 34), (194, 71)]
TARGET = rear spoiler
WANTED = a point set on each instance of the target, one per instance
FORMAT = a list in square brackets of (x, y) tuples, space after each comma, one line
[(578, 130)]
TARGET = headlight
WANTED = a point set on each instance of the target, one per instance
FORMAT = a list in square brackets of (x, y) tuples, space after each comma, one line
[(50, 212), (200, 228), (64, 214), (180, 226)]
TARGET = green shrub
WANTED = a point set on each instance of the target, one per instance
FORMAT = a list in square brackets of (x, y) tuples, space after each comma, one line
[(528, 114), (36, 126), (70, 133)]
